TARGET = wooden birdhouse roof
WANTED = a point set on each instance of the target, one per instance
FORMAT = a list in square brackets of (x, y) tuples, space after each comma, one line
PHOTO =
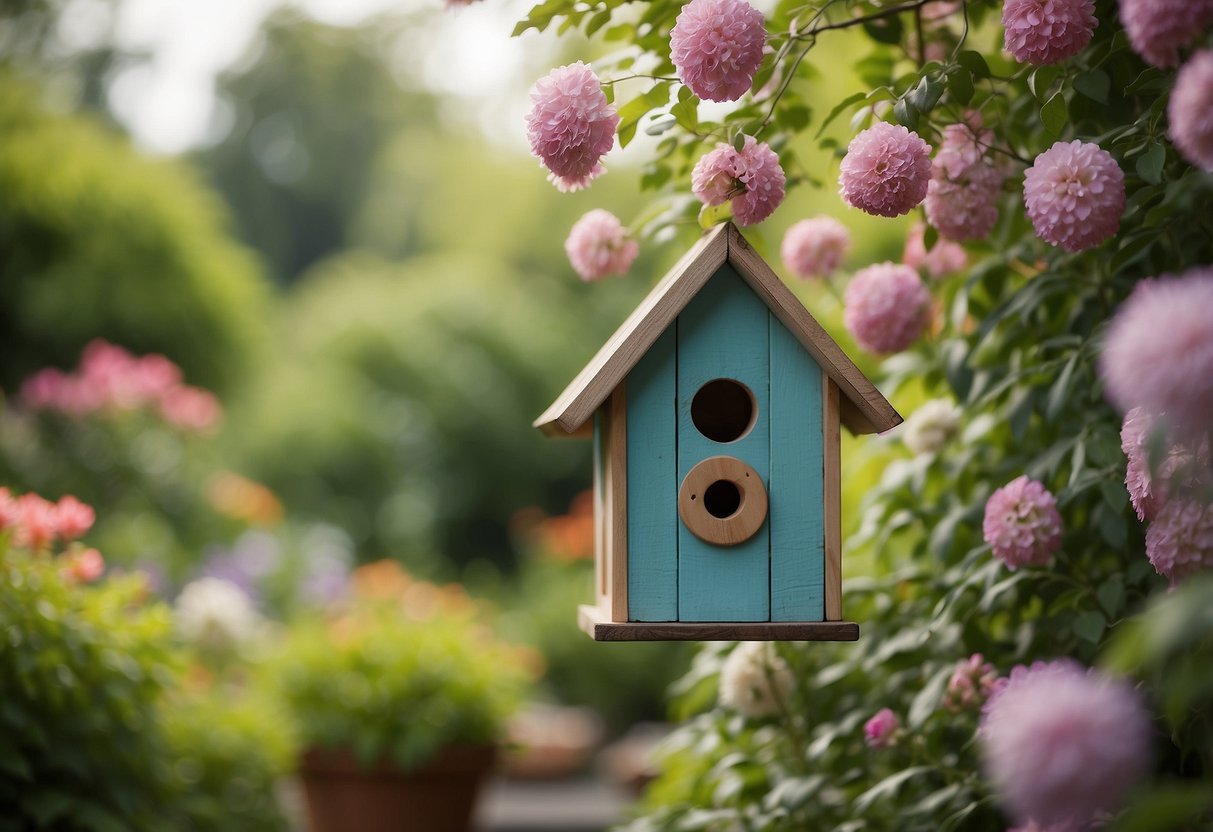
[(864, 409)]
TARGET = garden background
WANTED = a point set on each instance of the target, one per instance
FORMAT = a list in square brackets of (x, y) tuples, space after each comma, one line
[(287, 340)]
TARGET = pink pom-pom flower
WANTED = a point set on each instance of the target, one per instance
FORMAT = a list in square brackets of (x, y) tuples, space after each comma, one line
[(1190, 111), (880, 731), (1021, 523), (887, 307), (751, 178), (885, 171), (1158, 29), (973, 681), (962, 198), (1075, 195), (716, 46), (1158, 353), (1047, 31), (1179, 543), (815, 247), (598, 245), (1061, 744), (944, 258), (571, 126)]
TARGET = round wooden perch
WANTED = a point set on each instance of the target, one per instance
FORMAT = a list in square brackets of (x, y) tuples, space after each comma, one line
[(722, 501)]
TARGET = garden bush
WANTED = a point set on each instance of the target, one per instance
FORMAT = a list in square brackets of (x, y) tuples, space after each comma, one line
[(99, 241), (99, 730)]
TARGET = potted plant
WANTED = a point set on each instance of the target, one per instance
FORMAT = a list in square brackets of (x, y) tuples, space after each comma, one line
[(400, 697)]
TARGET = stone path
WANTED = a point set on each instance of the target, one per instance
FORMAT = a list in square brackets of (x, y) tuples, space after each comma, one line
[(583, 805)]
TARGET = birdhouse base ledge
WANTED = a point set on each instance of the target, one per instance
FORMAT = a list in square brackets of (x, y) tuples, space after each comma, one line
[(599, 627)]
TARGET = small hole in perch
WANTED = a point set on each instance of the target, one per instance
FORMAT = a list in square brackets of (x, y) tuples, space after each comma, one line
[(722, 499)]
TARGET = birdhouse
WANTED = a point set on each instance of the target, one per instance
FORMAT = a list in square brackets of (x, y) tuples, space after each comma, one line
[(714, 412)]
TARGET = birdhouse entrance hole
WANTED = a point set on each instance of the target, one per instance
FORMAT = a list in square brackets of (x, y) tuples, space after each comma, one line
[(723, 410), (722, 499)]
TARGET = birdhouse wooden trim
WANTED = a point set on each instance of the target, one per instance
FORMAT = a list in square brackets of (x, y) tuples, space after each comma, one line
[(716, 374), (863, 408)]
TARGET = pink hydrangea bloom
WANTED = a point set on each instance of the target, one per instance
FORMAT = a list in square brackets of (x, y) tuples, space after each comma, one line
[(1158, 29), (1158, 352), (1179, 542), (886, 170), (1047, 31), (1190, 111), (887, 307), (815, 247), (598, 245), (1061, 744), (962, 197), (1075, 195), (1021, 523), (571, 126), (751, 178), (944, 258), (73, 518), (716, 46), (972, 682), (84, 566), (881, 730)]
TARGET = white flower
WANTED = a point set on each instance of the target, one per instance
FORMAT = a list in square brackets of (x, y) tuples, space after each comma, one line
[(755, 680), (931, 426), (215, 613)]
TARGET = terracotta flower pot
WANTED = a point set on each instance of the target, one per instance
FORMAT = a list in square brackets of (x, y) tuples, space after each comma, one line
[(440, 796)]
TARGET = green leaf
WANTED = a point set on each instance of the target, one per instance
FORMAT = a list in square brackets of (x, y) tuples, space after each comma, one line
[(1094, 84), (660, 124), (960, 87), (1053, 114), (1090, 626), (927, 700), (926, 95), (712, 215), (885, 30), (597, 22), (1149, 164), (1041, 80), (849, 101), (974, 63), (1059, 395), (1111, 594), (876, 69), (795, 117), (636, 109), (906, 113), (1167, 805)]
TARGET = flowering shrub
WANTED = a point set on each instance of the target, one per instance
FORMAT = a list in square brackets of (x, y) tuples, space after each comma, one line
[(1065, 166), (402, 670), (98, 728)]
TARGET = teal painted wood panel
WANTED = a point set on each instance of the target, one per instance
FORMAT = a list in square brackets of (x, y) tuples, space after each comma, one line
[(797, 495), (652, 483), (723, 333)]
